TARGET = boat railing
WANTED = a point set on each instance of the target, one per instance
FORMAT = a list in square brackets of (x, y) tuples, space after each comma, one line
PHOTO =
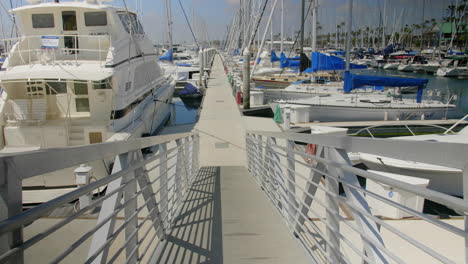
[(338, 218), (55, 48), (144, 191)]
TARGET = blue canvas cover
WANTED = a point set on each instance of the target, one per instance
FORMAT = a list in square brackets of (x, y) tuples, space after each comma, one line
[(167, 57), (324, 62), (189, 89), (274, 57), (287, 62), (353, 81)]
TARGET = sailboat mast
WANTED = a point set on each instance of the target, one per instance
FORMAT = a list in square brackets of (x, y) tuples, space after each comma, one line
[(282, 26), (314, 25), (302, 25), (383, 23), (169, 23), (348, 34)]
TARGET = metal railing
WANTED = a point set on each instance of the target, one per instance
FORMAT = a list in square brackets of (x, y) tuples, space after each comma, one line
[(143, 194), (302, 175), (30, 49)]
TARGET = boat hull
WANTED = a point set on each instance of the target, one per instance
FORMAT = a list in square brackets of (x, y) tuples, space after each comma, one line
[(445, 181), (326, 113)]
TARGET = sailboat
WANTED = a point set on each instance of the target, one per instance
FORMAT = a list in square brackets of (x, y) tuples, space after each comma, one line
[(369, 107), (81, 73)]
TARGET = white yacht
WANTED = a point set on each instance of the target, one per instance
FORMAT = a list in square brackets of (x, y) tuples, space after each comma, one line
[(442, 179), (81, 73), (458, 67)]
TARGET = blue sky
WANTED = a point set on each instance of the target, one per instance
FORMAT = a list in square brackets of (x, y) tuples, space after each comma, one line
[(212, 16)]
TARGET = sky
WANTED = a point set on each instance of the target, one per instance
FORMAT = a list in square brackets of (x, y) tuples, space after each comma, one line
[(210, 18)]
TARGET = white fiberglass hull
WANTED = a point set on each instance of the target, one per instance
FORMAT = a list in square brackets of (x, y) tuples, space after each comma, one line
[(453, 72), (391, 66), (341, 109), (441, 179)]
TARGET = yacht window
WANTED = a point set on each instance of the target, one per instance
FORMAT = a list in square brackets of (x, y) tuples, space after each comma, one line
[(81, 88), (43, 21), (130, 21), (82, 104), (56, 87), (69, 21), (104, 84), (94, 19)]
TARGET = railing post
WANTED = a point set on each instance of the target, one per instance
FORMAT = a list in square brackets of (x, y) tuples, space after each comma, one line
[(164, 193), (332, 205), (148, 194), (195, 151), (130, 208), (310, 188), (291, 182), (465, 197), (277, 174), (180, 172), (259, 163), (366, 224), (11, 204), (108, 207)]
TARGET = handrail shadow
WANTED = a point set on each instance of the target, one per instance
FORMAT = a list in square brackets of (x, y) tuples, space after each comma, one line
[(196, 235)]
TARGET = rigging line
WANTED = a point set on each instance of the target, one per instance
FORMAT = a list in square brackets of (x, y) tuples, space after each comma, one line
[(252, 38), (190, 27)]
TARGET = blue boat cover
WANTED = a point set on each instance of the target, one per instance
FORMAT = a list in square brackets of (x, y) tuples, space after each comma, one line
[(287, 62), (189, 89), (183, 64), (324, 62), (274, 57), (353, 81), (236, 52), (167, 57)]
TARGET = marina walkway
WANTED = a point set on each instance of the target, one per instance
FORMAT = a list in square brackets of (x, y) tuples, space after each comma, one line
[(226, 218)]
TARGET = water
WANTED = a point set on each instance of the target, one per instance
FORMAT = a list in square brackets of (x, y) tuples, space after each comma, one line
[(447, 86), (183, 112)]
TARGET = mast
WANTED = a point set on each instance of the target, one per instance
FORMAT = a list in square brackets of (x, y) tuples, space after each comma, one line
[(169, 24), (348, 34), (282, 25), (383, 24), (314, 25), (302, 25)]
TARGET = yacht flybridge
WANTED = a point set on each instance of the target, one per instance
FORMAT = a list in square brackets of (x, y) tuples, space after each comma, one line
[(81, 73)]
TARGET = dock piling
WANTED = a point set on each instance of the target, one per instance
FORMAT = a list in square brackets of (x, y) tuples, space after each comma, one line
[(246, 80)]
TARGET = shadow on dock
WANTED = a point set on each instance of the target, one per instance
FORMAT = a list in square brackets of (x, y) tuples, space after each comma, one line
[(197, 232)]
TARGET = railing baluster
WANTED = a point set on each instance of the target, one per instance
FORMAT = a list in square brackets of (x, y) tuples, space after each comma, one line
[(357, 199), (332, 204), (108, 207), (148, 194), (310, 188), (11, 204), (465, 218), (164, 194), (131, 207), (291, 183)]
